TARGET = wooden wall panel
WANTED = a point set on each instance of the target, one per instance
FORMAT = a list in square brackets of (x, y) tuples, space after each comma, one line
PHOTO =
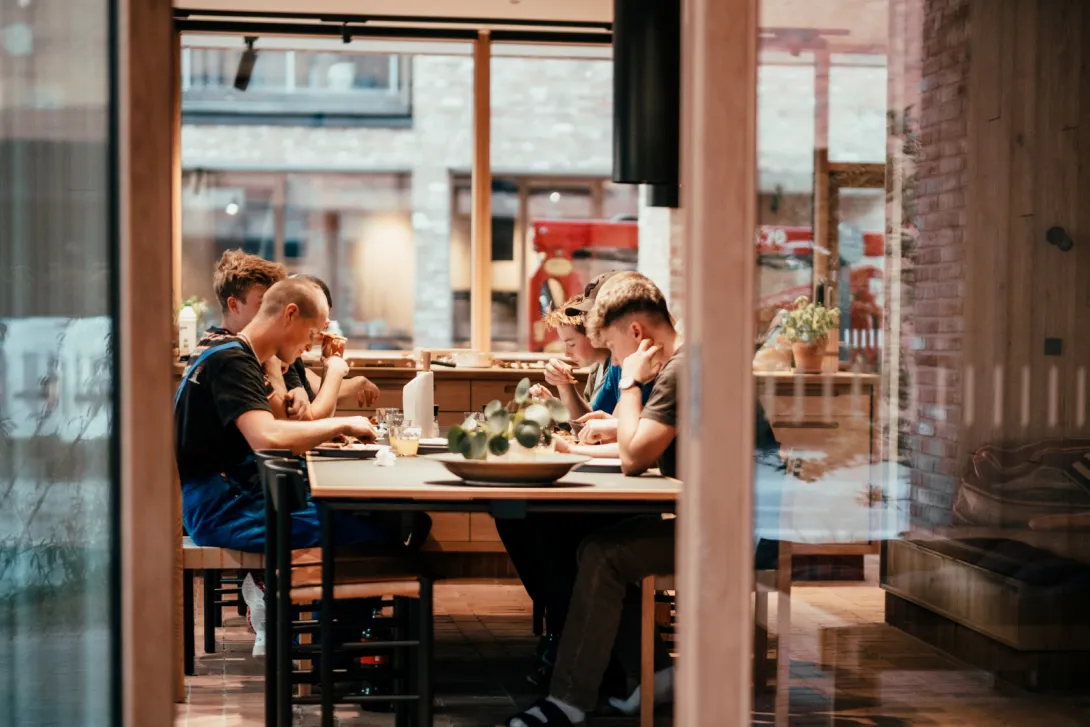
[(1027, 150)]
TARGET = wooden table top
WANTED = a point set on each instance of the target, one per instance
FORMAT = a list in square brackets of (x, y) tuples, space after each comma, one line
[(419, 478)]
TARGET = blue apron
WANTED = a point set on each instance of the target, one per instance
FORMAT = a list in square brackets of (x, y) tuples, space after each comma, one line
[(227, 509)]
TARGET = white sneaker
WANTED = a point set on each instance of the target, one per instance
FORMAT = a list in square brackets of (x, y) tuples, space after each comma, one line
[(664, 694), (255, 602)]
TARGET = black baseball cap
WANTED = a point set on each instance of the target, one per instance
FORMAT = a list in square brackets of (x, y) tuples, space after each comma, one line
[(589, 294)]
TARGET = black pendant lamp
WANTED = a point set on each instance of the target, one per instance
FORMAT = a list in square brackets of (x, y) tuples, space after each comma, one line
[(647, 94)]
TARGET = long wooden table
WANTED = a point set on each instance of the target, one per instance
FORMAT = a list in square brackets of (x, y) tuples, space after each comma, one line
[(425, 485)]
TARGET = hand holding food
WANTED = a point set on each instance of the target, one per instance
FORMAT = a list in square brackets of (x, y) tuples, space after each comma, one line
[(537, 391), (360, 428), (332, 345), (559, 373)]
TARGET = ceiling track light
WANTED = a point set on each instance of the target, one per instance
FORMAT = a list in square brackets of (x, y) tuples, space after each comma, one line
[(246, 65)]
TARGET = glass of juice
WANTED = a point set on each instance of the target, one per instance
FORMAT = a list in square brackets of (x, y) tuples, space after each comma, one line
[(405, 440)]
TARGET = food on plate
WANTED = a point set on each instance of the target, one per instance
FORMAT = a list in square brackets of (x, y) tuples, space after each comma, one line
[(344, 441)]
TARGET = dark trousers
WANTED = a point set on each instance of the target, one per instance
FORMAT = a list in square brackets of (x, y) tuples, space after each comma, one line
[(545, 550), (611, 560)]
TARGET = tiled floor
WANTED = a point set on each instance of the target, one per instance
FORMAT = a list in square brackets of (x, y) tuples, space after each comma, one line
[(848, 670)]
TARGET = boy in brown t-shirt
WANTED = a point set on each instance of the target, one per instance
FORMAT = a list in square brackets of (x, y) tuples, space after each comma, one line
[(631, 319)]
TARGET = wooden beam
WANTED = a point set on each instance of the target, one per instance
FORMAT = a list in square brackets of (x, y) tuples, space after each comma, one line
[(146, 145), (719, 203), (176, 266), (480, 288)]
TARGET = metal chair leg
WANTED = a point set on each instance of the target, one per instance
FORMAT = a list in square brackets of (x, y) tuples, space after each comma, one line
[(272, 632), (210, 611), (424, 656), (189, 625)]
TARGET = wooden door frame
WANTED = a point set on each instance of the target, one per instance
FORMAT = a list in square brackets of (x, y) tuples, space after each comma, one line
[(719, 207), (145, 154)]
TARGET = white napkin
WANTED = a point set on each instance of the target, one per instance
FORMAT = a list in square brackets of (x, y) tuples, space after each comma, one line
[(385, 457)]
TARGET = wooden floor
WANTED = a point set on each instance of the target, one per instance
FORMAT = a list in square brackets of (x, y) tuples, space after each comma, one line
[(848, 670)]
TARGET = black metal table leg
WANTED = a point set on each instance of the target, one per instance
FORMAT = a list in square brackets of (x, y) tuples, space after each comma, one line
[(210, 611), (189, 623), (424, 655), (325, 614), (271, 631)]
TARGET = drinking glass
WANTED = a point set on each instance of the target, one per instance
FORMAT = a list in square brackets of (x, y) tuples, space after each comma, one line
[(405, 440)]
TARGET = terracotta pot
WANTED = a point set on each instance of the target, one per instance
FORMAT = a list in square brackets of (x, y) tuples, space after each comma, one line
[(809, 356)]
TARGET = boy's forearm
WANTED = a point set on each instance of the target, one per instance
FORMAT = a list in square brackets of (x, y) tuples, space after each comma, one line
[(325, 403), (577, 406)]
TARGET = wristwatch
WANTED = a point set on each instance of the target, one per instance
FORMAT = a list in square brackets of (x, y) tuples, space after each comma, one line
[(628, 382)]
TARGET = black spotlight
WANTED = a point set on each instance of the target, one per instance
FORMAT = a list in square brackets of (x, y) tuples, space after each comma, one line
[(246, 65)]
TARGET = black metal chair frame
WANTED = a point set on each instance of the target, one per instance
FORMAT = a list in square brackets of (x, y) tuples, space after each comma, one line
[(286, 491)]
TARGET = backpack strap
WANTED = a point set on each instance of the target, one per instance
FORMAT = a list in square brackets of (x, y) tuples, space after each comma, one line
[(197, 362)]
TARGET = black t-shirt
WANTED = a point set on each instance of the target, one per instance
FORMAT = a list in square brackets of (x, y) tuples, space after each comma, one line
[(298, 373), (291, 376), (215, 394)]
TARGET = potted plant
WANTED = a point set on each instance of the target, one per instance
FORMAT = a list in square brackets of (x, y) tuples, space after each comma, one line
[(519, 430), (806, 327)]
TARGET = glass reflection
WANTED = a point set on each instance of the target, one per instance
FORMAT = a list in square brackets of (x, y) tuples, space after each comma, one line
[(931, 485)]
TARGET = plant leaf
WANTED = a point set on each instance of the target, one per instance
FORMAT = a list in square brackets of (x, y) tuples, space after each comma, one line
[(455, 436), (498, 421), (492, 407), (499, 445), (528, 434), (478, 445), (539, 415), (558, 411), (522, 391), (469, 425)]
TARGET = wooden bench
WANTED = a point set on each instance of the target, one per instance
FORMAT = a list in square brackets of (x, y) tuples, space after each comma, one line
[(211, 563)]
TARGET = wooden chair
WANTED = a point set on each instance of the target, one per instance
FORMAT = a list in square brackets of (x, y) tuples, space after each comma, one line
[(765, 583)]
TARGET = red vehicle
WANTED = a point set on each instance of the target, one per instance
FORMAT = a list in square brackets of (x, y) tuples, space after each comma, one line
[(570, 254)]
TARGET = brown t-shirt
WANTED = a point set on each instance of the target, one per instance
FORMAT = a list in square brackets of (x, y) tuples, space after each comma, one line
[(661, 407)]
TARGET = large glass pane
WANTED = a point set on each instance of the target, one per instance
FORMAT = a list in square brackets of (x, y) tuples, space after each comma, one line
[(552, 124), (925, 459), (58, 665), (367, 208)]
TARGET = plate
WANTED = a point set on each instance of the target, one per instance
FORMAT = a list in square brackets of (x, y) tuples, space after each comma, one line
[(510, 473), (433, 446), (360, 451), (601, 464)]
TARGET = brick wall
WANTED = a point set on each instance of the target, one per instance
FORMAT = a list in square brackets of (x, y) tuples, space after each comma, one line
[(549, 117), (933, 318)]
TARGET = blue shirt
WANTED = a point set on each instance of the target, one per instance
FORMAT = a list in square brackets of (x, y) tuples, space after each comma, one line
[(607, 397)]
